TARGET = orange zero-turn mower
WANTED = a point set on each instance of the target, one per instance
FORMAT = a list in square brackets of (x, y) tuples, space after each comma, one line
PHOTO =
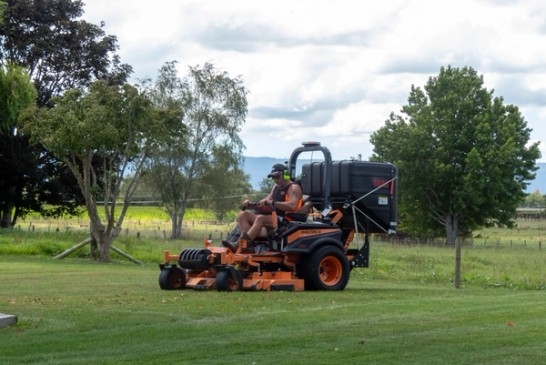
[(344, 200)]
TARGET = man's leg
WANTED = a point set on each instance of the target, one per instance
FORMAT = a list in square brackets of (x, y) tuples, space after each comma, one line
[(256, 228), (245, 220)]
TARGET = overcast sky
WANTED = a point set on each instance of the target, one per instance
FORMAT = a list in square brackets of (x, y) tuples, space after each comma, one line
[(333, 71)]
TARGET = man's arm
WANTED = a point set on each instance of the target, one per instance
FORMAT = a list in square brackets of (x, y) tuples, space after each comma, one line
[(268, 199)]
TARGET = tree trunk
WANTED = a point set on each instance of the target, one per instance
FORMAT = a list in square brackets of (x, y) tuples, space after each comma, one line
[(458, 261), (104, 249), (176, 225), (452, 228), (179, 226), (5, 216), (100, 243), (93, 248), (174, 228)]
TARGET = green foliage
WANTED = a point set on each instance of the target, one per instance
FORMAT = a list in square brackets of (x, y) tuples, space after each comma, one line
[(2, 10), (534, 200), (484, 265), (40, 244), (16, 93), (108, 121), (61, 50), (146, 213), (265, 186), (199, 214), (463, 156), (224, 183)]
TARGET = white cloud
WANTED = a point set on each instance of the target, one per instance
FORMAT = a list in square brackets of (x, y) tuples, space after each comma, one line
[(332, 70)]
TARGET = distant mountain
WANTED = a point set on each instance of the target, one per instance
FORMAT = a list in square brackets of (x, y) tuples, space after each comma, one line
[(259, 167)]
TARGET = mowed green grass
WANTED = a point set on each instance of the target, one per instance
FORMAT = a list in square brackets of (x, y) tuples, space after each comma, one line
[(402, 310)]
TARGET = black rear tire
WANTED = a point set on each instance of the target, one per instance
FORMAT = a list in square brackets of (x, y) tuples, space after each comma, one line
[(172, 278), (327, 268)]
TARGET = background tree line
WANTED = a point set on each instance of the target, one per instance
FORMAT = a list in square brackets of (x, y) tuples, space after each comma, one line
[(534, 200)]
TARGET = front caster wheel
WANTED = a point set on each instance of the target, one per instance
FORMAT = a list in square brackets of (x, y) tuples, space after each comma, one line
[(229, 279), (172, 278)]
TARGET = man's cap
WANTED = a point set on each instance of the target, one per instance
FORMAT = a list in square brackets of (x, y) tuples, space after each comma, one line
[(277, 170)]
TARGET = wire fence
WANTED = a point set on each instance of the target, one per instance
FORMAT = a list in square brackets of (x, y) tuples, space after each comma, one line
[(134, 228), (532, 243), (196, 230)]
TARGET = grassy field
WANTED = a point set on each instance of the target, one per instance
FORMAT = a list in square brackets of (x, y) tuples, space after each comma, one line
[(401, 310), (77, 312), (145, 222)]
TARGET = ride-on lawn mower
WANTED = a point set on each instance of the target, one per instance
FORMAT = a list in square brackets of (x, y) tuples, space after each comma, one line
[(344, 199)]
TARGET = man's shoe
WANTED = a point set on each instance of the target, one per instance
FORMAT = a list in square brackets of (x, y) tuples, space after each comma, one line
[(231, 245), (234, 235)]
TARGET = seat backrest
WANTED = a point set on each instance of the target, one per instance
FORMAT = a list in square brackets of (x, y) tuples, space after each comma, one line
[(302, 213), (306, 207)]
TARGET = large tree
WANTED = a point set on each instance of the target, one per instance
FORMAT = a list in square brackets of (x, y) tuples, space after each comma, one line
[(115, 125), (16, 93), (60, 51), (224, 183), (213, 109), (464, 157)]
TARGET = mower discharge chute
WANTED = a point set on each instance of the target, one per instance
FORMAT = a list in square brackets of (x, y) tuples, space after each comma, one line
[(345, 198)]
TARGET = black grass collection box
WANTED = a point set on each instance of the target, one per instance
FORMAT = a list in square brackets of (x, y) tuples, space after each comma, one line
[(369, 186)]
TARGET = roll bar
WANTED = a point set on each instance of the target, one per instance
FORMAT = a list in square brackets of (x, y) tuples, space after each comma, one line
[(326, 179)]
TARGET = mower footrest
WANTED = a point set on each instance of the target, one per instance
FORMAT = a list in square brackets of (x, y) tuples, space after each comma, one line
[(201, 283), (275, 280)]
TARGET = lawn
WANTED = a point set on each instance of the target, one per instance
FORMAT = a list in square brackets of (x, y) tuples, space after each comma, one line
[(402, 310)]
